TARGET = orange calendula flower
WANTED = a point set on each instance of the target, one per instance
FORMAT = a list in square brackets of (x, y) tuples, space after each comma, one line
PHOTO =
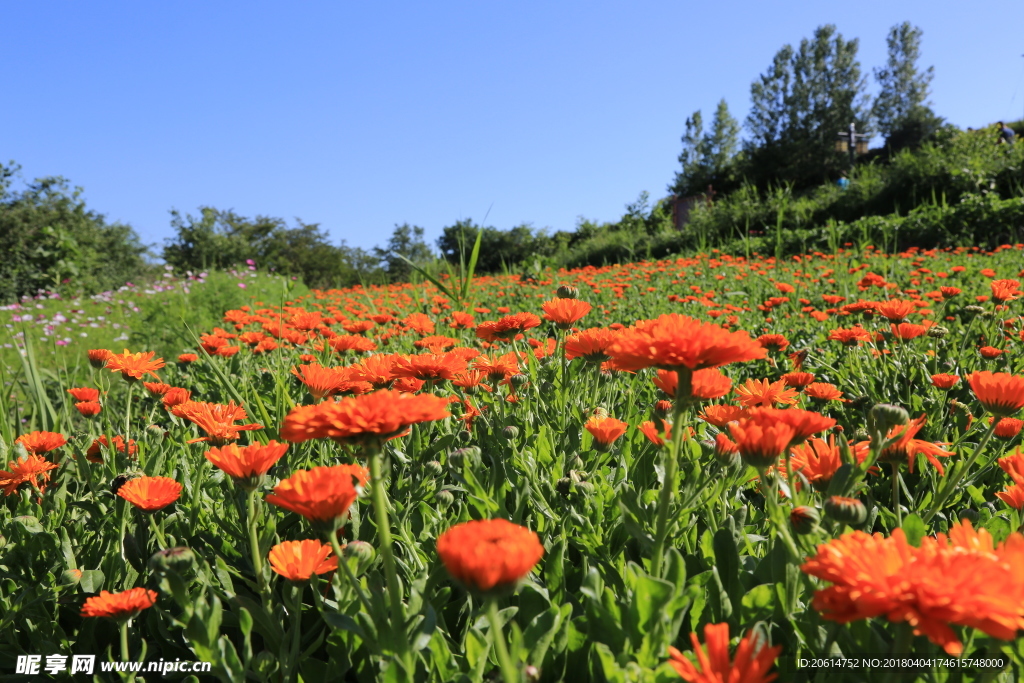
[(320, 381), (1013, 465), (41, 442), (98, 357), (945, 382), (436, 343), (907, 331), (157, 388), (187, 358), (351, 342), (497, 368), (133, 366), (720, 416), (85, 394), (705, 385), (907, 448), (591, 344), (507, 328), (1013, 496), (1007, 427), (175, 396), (31, 469), (368, 419), (322, 495), (822, 391), (797, 380), (247, 465), (764, 393), (677, 342), (751, 664), (1005, 290), (93, 452), (850, 336), (216, 419), (429, 366), (299, 560), (805, 423), (490, 555), (88, 408), (150, 494), (960, 580), (376, 369), (565, 312), (1000, 393), (656, 434), (895, 310), (605, 430), (818, 461), (761, 439), (773, 342), (119, 606), (990, 352)]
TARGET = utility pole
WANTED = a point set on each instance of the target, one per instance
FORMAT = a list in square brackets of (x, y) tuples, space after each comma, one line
[(852, 141)]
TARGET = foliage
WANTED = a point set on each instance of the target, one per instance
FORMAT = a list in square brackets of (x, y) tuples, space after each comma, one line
[(644, 543), (499, 249), (406, 244), (222, 239), (901, 109), (708, 158), (51, 240)]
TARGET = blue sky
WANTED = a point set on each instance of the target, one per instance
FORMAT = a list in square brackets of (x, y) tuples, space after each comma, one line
[(359, 116)]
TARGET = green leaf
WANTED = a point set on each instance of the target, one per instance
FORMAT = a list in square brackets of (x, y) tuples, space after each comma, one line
[(914, 528), (30, 524), (91, 581), (539, 633)]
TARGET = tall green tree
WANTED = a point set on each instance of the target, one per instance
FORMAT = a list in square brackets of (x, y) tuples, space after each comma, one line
[(50, 240), (707, 157), (800, 104), (406, 241), (901, 110)]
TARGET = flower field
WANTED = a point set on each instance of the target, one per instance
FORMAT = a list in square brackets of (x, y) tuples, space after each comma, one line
[(701, 469)]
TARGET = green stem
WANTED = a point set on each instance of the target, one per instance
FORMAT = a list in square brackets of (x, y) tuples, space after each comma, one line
[(896, 494), (157, 531), (380, 510), (125, 654), (343, 563), (508, 670), (254, 543), (295, 608), (127, 423), (683, 390), (947, 490), (776, 515)]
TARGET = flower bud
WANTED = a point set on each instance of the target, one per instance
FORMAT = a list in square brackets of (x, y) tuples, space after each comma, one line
[(937, 332), (470, 454), (804, 519), (970, 515), (599, 412), (176, 560), (70, 577), (519, 380), (885, 416), (564, 486), (445, 498), (511, 432), (567, 292), (156, 433), (363, 553), (465, 437), (433, 468), (846, 510)]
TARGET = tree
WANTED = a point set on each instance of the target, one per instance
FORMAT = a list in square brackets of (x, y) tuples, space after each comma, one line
[(901, 109), (51, 241), (707, 158), (407, 241), (498, 248), (807, 96)]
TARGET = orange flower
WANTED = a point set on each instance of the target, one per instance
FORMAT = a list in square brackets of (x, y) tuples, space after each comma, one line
[(93, 452), (216, 419), (375, 369), (851, 336), (565, 312), (705, 385), (322, 495), (1000, 393), (320, 381), (720, 416), (88, 408), (1007, 427), (1013, 465), (908, 331), (489, 555), (175, 396), (157, 388), (133, 366), (1013, 496), (41, 442), (761, 439), (605, 430), (428, 366), (591, 344), (461, 321), (907, 448), (351, 342), (31, 469), (960, 580), (762, 393), (773, 342), (370, 418), (674, 342), (990, 352), (822, 391), (654, 434), (497, 368), (805, 423), (150, 494), (895, 310), (98, 357), (187, 358), (818, 461), (507, 328), (1005, 290), (436, 343), (949, 292), (945, 382), (750, 665), (299, 560), (247, 465), (797, 380), (85, 394), (119, 606)]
